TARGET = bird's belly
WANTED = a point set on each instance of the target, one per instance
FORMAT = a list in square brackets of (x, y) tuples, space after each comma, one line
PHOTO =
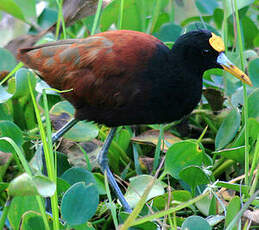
[(139, 113)]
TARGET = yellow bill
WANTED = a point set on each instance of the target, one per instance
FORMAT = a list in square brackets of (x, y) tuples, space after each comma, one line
[(231, 68)]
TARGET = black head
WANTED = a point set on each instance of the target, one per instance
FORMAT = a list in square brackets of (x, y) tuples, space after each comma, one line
[(195, 51), (198, 51)]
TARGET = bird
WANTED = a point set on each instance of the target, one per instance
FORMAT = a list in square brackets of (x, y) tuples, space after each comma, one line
[(125, 77)]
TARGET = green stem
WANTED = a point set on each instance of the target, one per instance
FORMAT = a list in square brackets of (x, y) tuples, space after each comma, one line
[(18, 66), (255, 159), (241, 51), (168, 211), (97, 16), (254, 184), (43, 212), (5, 212), (121, 14), (112, 206), (155, 15), (222, 168), (209, 123), (60, 19), (158, 148), (47, 153), (52, 172), (171, 9)]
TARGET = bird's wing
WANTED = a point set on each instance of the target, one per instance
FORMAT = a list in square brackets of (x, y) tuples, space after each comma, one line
[(102, 70)]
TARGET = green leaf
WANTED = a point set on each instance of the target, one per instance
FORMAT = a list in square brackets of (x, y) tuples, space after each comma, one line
[(82, 131), (79, 203), (19, 206), (253, 129), (181, 155), (228, 129), (213, 206), (47, 18), (4, 110), (206, 7), (20, 86), (85, 226), (4, 95), (8, 61), (200, 178), (9, 129), (253, 72), (10, 7), (26, 185), (240, 4), (177, 196), (236, 154), (250, 31), (76, 174), (231, 186), (3, 186), (253, 105), (195, 223), (135, 14), (28, 8), (62, 186), (145, 226), (61, 107), (62, 163), (204, 205), (99, 178), (232, 210), (45, 187), (137, 187), (123, 139), (32, 220), (200, 25), (169, 32), (218, 17)]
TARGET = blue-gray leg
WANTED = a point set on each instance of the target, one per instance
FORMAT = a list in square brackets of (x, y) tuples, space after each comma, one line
[(103, 162)]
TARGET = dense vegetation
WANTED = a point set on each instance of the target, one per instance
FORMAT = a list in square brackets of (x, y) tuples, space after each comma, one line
[(210, 173)]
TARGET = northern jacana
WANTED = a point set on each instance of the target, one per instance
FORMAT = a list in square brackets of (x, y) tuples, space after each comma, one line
[(128, 78)]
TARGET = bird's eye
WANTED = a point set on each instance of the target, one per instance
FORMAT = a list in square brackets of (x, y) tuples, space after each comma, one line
[(205, 52)]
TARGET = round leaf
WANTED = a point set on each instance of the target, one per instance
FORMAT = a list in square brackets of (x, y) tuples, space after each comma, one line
[(137, 187), (169, 32), (79, 203), (32, 220), (26, 185), (44, 185), (206, 7), (76, 174), (195, 223), (21, 86), (19, 206), (194, 176), (22, 185), (181, 155), (82, 131)]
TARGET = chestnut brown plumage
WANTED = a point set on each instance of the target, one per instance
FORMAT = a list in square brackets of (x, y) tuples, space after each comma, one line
[(127, 77)]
